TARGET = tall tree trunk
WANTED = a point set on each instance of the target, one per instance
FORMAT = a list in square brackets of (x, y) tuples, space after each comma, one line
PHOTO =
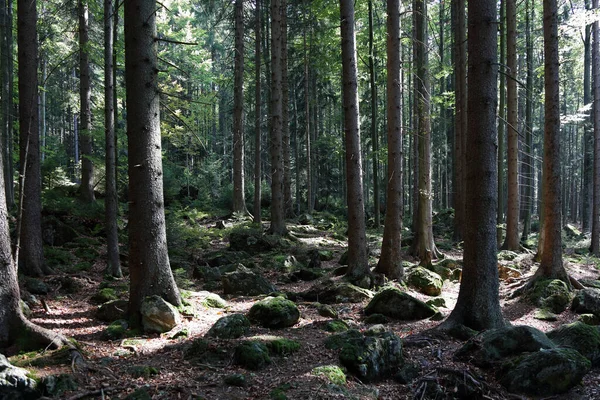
[(258, 116), (309, 192), (110, 202), (149, 267), (374, 133), (390, 262), (277, 203), (501, 122), (588, 136), (551, 265), (358, 263), (285, 116), (528, 153), (596, 68), (239, 202), (478, 306), (423, 243), (85, 96), (512, 216), (30, 253), (6, 69)]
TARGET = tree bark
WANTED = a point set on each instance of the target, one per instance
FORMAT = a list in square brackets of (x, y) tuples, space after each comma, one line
[(239, 202), (6, 68), (358, 263), (309, 188), (528, 148), (478, 306), (390, 262), (596, 89), (149, 268), (501, 123), (110, 202), (85, 95), (374, 133), (588, 136), (258, 116), (285, 116)]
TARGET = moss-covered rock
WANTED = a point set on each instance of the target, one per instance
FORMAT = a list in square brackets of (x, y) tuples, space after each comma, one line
[(274, 312), (105, 295), (372, 357), (494, 345), (396, 304), (376, 319), (245, 282), (252, 355), (57, 385), (546, 372), (252, 241), (335, 292), (238, 380), (332, 373), (426, 281), (589, 319), (587, 301), (338, 340), (579, 336), (553, 295), (327, 311), (507, 255), (142, 371), (437, 302), (306, 274), (211, 300), (116, 330), (15, 382), (336, 326), (277, 345), (158, 315), (112, 310), (229, 327)]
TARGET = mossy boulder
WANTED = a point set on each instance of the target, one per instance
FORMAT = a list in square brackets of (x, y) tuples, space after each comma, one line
[(15, 382), (426, 281), (334, 292), (252, 241), (116, 330), (579, 336), (589, 319), (208, 299), (507, 255), (57, 385), (245, 282), (443, 272), (325, 310), (336, 326), (158, 316), (331, 373), (274, 313), (252, 355), (338, 340), (376, 319), (112, 310), (142, 371), (546, 372), (553, 295), (277, 345), (105, 295), (306, 274), (229, 327), (372, 357), (238, 380), (587, 301), (396, 304), (494, 345)]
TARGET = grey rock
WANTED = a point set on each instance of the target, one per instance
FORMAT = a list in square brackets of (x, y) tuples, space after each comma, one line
[(244, 282), (14, 382), (587, 301), (112, 310), (330, 292), (274, 313), (425, 281), (396, 304), (229, 327), (579, 336), (158, 316)]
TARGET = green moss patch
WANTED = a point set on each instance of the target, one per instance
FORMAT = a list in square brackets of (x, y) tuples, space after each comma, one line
[(332, 373)]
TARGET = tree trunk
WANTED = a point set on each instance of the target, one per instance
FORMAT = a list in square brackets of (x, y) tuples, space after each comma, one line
[(358, 263), (588, 136), (149, 268), (285, 116), (423, 244), (551, 265), (374, 133), (501, 123), (512, 215), (110, 202), (258, 116), (309, 195), (85, 95), (30, 253), (478, 306), (6, 68), (528, 153), (390, 262), (277, 203), (596, 203), (239, 202)]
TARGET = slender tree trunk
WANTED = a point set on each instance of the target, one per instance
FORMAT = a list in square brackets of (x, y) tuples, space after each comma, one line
[(596, 80), (85, 95), (110, 202), (358, 263), (528, 153), (309, 194), (374, 133), (257, 123), (512, 215), (6, 67), (30, 253), (478, 306), (588, 141), (277, 202), (285, 116), (149, 267), (239, 202), (501, 122), (390, 262)]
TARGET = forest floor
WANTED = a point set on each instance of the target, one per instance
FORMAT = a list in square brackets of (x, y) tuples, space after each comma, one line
[(111, 365)]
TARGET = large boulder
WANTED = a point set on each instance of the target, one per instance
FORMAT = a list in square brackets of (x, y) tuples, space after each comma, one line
[(587, 301), (244, 282), (252, 355), (229, 327), (394, 303), (546, 372), (112, 310), (15, 383), (553, 295), (494, 345), (374, 356), (158, 315), (331, 292), (426, 281), (579, 336), (274, 313), (252, 241)]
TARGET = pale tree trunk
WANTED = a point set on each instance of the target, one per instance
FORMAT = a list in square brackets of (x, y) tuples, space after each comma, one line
[(460, 119), (309, 195), (501, 122), (277, 203), (528, 153), (551, 264), (6, 67), (149, 268), (110, 202), (478, 305), (512, 215), (358, 262), (285, 116), (85, 95), (258, 116), (374, 133), (423, 245), (596, 203), (588, 136), (390, 262), (239, 203), (30, 253)]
